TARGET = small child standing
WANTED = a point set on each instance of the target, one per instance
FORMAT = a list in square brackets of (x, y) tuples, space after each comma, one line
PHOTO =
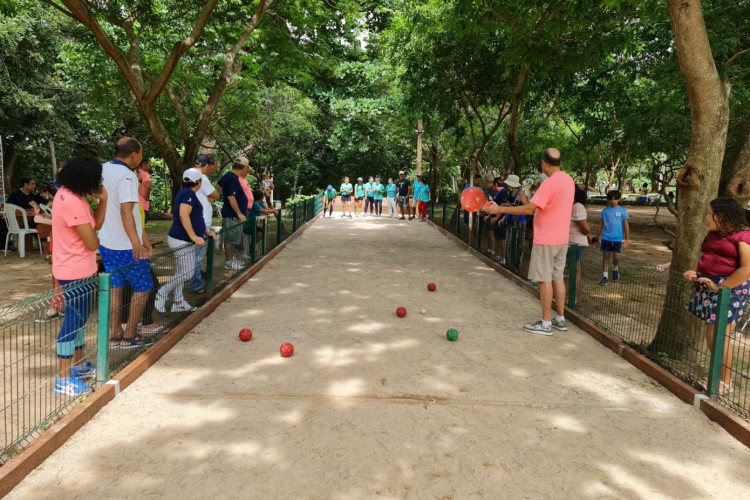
[(614, 235)]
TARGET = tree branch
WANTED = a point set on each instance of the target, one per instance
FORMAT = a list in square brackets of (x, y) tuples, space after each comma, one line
[(180, 48), (730, 62)]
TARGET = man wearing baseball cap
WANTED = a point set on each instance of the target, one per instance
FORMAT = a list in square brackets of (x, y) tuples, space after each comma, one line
[(234, 210), (206, 164)]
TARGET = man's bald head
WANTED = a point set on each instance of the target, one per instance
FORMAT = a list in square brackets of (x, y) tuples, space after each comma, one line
[(551, 156)]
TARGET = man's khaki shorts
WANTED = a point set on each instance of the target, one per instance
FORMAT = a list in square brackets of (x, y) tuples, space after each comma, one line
[(547, 263)]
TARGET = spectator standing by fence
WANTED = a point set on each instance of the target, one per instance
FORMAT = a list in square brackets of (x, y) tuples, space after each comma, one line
[(123, 244), (206, 164), (614, 235), (424, 201), (188, 226), (234, 210), (551, 206), (144, 189), (74, 259), (416, 192), (724, 263), (580, 232)]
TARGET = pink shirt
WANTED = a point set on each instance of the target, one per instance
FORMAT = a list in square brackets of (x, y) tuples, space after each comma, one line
[(71, 260), (554, 202), (248, 192), (145, 202), (721, 254)]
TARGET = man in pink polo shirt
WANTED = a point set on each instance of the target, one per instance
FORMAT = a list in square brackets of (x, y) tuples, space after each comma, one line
[(552, 207)]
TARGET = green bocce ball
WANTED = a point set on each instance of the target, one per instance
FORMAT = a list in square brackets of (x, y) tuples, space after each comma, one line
[(452, 334)]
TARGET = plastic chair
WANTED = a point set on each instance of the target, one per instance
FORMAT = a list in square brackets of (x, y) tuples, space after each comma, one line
[(45, 209), (20, 232)]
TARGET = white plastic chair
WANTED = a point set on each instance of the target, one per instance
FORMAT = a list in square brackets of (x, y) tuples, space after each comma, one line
[(20, 232), (45, 209)]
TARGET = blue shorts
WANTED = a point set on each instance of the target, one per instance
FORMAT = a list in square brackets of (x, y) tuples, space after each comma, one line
[(611, 246), (126, 270)]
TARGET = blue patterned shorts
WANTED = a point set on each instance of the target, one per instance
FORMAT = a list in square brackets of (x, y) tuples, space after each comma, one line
[(126, 270), (704, 303)]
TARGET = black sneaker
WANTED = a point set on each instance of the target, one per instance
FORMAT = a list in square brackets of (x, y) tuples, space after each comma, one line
[(134, 342), (604, 281), (615, 274)]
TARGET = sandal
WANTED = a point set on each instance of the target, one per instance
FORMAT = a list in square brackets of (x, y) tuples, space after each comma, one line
[(134, 342)]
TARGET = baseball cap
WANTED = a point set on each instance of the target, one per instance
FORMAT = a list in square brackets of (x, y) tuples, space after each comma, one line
[(241, 162), (191, 175), (400, 172), (419, 175), (359, 178), (204, 159), (329, 187)]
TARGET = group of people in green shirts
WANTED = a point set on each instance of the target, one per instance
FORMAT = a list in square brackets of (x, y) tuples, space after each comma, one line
[(404, 194)]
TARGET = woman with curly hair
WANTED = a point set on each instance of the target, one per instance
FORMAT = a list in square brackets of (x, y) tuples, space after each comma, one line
[(74, 260), (725, 263)]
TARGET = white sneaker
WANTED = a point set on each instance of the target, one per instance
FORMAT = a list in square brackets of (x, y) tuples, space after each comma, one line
[(561, 325), (182, 307), (160, 302), (233, 265)]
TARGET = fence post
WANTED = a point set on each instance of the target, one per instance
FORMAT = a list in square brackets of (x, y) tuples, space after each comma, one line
[(279, 226), (211, 242), (102, 335), (265, 235), (717, 352), (480, 226), (442, 222), (511, 246), (253, 238), (572, 274), (432, 211), (458, 222), (294, 217)]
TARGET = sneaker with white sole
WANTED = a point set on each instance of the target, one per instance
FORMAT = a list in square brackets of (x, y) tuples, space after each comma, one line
[(160, 303), (183, 306), (233, 265), (83, 371), (615, 274), (538, 328), (69, 386), (561, 325)]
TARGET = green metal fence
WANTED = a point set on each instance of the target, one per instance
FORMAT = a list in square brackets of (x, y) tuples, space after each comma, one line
[(644, 309), (29, 328)]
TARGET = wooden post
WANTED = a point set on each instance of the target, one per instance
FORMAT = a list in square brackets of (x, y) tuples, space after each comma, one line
[(53, 158), (419, 146)]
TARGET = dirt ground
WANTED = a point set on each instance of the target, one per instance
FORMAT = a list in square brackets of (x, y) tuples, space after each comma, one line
[(371, 405)]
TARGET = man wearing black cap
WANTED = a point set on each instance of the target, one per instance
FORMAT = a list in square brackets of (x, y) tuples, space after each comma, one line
[(206, 164)]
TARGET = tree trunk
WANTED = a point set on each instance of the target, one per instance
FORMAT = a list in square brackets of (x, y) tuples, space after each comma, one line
[(10, 167), (698, 181), (735, 177)]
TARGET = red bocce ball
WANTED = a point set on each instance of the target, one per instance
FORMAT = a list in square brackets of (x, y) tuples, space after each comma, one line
[(246, 334), (286, 350), (401, 312), (431, 287)]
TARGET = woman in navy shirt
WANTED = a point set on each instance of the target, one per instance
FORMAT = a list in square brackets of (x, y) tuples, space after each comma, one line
[(188, 227)]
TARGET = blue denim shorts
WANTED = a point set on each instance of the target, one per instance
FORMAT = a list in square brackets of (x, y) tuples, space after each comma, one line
[(126, 270)]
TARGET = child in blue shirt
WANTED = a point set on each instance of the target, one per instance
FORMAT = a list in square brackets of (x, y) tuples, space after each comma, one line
[(424, 200), (614, 235)]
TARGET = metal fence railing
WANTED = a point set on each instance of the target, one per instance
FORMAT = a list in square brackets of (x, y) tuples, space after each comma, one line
[(109, 338), (645, 308)]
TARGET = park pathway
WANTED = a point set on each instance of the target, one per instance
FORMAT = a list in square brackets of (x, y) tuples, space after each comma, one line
[(371, 405)]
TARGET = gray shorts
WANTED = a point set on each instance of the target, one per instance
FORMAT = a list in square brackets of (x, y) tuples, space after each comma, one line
[(232, 231), (547, 263), (403, 201)]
